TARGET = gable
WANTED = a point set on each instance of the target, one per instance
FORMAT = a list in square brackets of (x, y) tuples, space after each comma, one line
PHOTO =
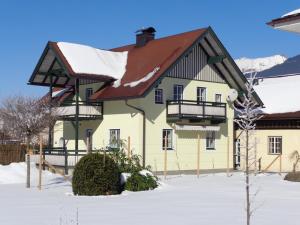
[(194, 66)]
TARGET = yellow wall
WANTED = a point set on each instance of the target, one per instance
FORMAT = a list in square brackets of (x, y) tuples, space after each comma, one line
[(119, 116), (290, 143)]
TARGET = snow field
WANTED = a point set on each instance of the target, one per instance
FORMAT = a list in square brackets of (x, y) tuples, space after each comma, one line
[(213, 199)]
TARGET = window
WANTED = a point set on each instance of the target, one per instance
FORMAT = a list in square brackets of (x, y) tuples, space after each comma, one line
[(89, 138), (178, 92), (167, 134), (114, 138), (210, 140), (275, 145), (201, 94), (218, 98), (88, 93), (159, 96)]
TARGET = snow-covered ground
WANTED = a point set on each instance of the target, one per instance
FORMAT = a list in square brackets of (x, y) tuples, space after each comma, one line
[(213, 199)]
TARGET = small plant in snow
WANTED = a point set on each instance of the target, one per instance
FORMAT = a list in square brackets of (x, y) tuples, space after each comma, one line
[(248, 112)]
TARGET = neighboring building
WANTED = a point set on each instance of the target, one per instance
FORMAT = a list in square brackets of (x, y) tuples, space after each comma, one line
[(171, 88), (277, 134), (288, 22)]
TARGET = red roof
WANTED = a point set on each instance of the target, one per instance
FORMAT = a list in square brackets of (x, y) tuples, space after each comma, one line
[(162, 53)]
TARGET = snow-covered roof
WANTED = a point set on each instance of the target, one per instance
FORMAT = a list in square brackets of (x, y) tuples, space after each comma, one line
[(84, 59), (279, 94), (291, 13)]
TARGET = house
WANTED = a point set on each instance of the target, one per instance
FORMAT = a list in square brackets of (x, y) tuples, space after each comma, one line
[(277, 136), (288, 22), (276, 139), (166, 93)]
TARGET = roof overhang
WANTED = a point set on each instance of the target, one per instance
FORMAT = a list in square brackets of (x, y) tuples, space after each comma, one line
[(290, 23), (54, 70), (224, 64)]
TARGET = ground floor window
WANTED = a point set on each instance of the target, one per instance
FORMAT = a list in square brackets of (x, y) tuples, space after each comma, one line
[(275, 145), (167, 138), (114, 138), (210, 140)]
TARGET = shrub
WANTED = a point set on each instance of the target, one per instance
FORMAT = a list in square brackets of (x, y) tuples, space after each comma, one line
[(139, 182), (96, 174), (293, 176)]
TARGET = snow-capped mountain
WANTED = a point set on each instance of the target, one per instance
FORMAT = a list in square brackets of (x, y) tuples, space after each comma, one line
[(248, 65)]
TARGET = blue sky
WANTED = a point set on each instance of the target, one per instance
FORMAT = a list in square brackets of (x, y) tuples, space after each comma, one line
[(26, 26)]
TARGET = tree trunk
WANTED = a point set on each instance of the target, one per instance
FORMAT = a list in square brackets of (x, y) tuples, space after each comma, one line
[(247, 179)]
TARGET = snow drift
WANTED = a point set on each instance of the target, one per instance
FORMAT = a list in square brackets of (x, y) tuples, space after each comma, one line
[(15, 173)]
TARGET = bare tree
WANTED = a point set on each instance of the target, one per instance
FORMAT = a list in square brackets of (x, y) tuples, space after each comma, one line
[(248, 112), (26, 117)]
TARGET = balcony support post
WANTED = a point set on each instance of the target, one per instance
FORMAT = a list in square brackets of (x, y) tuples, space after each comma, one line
[(50, 128), (76, 115)]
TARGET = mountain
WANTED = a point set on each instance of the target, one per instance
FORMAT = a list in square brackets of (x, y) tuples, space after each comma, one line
[(248, 65), (290, 67)]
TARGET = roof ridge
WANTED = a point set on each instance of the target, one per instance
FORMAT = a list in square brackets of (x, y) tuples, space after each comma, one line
[(172, 35)]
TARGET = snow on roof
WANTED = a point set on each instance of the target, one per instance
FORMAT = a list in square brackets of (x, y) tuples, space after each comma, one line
[(84, 59), (279, 94), (291, 13), (144, 79)]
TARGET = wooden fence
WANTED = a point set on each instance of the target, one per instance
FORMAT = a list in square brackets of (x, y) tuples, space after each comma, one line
[(12, 153)]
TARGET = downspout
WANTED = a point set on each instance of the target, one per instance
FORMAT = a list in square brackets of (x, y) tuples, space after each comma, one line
[(144, 130)]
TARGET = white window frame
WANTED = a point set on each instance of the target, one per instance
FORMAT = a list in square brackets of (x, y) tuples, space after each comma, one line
[(118, 138), (201, 94), (218, 98), (275, 145), (88, 93), (211, 140), (159, 94), (87, 132), (169, 139), (176, 96)]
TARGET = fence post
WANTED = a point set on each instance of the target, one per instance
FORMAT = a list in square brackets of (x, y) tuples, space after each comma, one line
[(28, 171), (166, 159), (280, 163), (198, 155), (259, 164), (40, 164), (128, 145), (66, 158)]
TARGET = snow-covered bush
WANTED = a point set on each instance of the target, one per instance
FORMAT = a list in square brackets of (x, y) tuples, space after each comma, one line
[(134, 177), (141, 182), (96, 174)]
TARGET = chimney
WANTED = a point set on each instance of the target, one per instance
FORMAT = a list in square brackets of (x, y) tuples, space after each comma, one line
[(144, 35)]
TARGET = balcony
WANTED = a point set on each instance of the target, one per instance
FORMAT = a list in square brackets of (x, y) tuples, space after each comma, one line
[(195, 111), (87, 110)]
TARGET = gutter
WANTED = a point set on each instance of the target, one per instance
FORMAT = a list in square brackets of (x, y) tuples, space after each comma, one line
[(144, 129)]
